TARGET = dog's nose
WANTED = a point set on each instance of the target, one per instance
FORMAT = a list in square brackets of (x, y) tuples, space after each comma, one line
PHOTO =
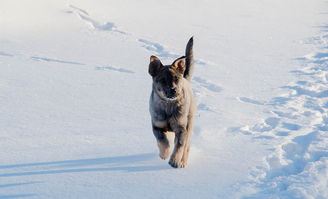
[(173, 90)]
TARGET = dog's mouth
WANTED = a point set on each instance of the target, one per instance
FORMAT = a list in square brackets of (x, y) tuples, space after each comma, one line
[(171, 96), (168, 97)]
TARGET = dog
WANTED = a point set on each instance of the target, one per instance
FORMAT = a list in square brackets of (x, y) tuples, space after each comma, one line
[(172, 105)]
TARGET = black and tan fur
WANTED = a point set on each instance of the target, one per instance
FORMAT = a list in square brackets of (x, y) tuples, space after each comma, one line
[(172, 106)]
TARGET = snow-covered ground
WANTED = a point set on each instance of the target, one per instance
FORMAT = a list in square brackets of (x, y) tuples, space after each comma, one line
[(74, 92)]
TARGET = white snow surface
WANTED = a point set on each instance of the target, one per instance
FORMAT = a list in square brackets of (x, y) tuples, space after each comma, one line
[(74, 92)]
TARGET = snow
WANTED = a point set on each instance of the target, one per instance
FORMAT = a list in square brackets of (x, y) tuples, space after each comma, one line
[(74, 93)]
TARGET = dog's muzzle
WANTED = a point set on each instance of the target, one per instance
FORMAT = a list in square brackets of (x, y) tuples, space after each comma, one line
[(171, 93)]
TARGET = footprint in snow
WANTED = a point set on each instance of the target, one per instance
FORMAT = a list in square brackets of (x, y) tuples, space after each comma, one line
[(157, 48), (313, 104), (302, 91), (79, 9), (291, 126), (55, 60), (288, 115), (268, 125), (277, 101), (122, 70), (301, 72), (325, 105), (282, 133), (298, 153), (319, 57), (204, 107), (303, 83), (243, 130), (208, 85), (5, 54), (106, 26), (264, 137), (251, 101)]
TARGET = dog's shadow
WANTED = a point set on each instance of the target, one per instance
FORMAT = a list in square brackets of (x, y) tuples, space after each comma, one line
[(129, 163)]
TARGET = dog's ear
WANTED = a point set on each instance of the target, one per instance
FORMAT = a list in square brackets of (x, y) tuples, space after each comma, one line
[(154, 66), (180, 64)]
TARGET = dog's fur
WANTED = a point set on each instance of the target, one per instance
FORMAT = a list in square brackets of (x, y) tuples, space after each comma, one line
[(172, 105)]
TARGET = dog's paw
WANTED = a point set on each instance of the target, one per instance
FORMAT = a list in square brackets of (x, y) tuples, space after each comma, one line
[(164, 154), (164, 150), (177, 164)]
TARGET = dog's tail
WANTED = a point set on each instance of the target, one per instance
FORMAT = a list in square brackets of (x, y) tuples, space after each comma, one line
[(189, 59)]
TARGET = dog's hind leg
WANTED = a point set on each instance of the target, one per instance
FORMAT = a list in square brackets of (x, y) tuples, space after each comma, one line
[(185, 156), (162, 142)]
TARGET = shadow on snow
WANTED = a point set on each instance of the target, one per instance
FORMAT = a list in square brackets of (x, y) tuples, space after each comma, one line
[(117, 163)]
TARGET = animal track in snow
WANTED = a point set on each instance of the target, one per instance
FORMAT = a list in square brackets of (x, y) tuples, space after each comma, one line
[(204, 107), (154, 47), (302, 91), (251, 101), (122, 70), (282, 133), (303, 83), (290, 126), (319, 57), (160, 51), (79, 9), (277, 101), (106, 26), (268, 125), (257, 130), (295, 155), (313, 104), (263, 137), (208, 85), (55, 60), (301, 142), (282, 114), (301, 72), (157, 48), (5, 54)]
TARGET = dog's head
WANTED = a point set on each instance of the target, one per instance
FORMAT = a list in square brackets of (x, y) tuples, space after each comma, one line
[(167, 80)]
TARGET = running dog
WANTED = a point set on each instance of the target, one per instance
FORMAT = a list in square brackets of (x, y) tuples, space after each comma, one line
[(172, 105)]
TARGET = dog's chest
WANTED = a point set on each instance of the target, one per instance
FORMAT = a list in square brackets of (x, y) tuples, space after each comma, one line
[(164, 110)]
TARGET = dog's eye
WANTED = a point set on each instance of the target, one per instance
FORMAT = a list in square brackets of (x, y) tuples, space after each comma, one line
[(175, 79)]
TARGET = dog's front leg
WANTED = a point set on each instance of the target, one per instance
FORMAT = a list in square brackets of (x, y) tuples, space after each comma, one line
[(181, 138), (162, 142)]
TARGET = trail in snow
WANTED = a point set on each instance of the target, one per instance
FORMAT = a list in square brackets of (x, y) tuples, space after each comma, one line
[(5, 54), (157, 48), (298, 165), (84, 15), (54, 60)]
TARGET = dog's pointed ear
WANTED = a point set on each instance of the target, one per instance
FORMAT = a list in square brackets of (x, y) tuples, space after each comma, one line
[(154, 66), (180, 64)]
